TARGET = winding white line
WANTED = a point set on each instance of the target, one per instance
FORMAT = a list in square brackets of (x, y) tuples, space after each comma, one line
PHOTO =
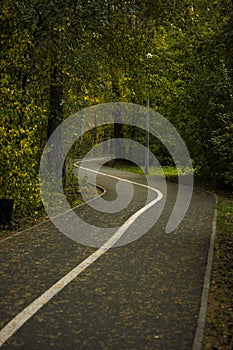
[(17, 322)]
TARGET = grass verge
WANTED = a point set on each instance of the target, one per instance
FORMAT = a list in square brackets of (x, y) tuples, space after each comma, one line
[(164, 171)]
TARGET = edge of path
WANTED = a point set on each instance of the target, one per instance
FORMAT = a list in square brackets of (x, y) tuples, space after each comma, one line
[(201, 322)]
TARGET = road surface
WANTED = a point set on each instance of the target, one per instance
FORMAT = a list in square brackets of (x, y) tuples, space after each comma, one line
[(143, 295)]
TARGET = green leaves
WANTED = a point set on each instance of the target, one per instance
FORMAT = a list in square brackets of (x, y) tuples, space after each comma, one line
[(100, 49)]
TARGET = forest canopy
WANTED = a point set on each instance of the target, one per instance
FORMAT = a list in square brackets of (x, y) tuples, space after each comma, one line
[(60, 57)]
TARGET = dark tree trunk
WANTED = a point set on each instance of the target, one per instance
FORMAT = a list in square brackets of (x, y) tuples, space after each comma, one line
[(118, 129), (55, 117), (55, 101)]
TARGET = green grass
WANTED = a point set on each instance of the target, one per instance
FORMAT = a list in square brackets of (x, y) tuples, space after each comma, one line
[(163, 171), (225, 214)]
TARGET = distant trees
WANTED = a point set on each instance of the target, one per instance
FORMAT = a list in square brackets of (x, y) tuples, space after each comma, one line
[(59, 57), (209, 102)]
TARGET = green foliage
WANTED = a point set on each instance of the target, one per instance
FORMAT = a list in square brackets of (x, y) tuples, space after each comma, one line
[(222, 146), (72, 188), (96, 51), (19, 160)]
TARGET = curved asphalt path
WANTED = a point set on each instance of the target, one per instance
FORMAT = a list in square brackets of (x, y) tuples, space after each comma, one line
[(144, 295)]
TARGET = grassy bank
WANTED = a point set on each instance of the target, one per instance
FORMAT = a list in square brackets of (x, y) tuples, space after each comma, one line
[(163, 171)]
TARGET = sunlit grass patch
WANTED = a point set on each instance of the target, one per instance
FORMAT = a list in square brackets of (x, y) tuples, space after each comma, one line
[(159, 171)]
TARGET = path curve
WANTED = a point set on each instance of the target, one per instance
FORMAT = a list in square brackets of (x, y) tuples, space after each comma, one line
[(20, 319)]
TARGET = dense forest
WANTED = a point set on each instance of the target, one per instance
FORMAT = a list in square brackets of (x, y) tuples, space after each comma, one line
[(58, 57)]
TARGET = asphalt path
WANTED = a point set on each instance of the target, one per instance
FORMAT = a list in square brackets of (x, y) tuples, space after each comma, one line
[(142, 295)]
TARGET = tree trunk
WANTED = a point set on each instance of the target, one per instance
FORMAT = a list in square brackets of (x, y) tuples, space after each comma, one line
[(55, 117), (118, 129)]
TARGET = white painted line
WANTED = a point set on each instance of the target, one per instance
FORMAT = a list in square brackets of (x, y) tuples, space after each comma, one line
[(18, 321), (199, 335), (122, 179)]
